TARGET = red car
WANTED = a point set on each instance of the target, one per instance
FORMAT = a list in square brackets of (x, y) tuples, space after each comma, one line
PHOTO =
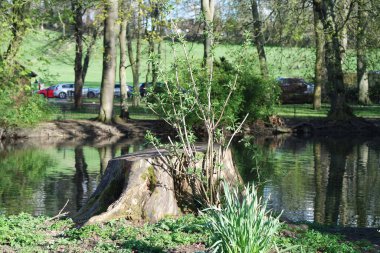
[(48, 92)]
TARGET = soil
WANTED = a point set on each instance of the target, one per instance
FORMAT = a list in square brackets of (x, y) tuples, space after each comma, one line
[(87, 130)]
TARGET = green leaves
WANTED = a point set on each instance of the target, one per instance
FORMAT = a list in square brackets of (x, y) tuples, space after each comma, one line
[(242, 224), (18, 107)]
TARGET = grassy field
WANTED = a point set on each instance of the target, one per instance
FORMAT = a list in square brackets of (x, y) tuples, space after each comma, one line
[(306, 111), (46, 53), (90, 111)]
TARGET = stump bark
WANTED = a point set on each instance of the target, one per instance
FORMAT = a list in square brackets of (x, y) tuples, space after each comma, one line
[(138, 186)]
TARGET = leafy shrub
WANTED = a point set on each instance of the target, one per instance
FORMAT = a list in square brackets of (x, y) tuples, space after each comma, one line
[(243, 224), (18, 107), (251, 94)]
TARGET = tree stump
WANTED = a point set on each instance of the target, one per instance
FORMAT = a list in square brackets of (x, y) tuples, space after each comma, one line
[(138, 186)]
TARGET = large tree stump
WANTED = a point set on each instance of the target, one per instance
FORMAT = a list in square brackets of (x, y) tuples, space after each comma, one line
[(138, 186)]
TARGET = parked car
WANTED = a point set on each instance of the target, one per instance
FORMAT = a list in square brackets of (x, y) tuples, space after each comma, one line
[(64, 90), (145, 87), (295, 90), (48, 92), (117, 91)]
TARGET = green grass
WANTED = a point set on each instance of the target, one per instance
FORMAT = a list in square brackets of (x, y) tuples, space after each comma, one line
[(24, 233), (88, 111), (53, 59), (143, 113), (306, 111)]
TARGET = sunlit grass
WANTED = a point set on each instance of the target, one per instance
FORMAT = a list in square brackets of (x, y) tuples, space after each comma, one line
[(90, 110), (307, 111)]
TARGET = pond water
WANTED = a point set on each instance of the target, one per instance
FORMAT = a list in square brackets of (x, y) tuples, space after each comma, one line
[(325, 180)]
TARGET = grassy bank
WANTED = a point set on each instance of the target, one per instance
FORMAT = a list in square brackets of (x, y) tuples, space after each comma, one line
[(90, 111), (306, 111), (24, 233), (52, 57)]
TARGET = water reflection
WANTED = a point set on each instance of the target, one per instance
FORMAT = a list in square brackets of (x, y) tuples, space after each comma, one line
[(39, 179), (329, 181)]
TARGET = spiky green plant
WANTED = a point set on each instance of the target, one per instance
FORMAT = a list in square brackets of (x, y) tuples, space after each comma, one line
[(243, 224)]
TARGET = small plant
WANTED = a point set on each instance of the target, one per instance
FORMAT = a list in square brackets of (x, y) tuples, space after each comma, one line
[(243, 223)]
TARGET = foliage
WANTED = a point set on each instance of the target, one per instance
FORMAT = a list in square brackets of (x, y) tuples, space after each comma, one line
[(251, 93), (243, 224), (18, 107), (311, 240), (25, 233)]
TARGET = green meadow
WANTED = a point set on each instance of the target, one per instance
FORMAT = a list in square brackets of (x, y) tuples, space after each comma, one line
[(52, 58)]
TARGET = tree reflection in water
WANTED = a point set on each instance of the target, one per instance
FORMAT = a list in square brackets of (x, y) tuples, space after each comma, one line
[(326, 180), (81, 178)]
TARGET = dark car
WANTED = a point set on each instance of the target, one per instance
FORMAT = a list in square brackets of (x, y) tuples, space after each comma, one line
[(295, 91), (145, 87)]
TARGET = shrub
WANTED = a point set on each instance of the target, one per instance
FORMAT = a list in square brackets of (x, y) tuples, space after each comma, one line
[(20, 108), (243, 224), (252, 94)]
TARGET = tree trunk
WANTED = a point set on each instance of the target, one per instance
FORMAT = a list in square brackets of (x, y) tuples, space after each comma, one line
[(320, 69), (339, 109), (123, 63), (89, 50), (208, 9), (343, 5), (361, 64), (77, 8), (259, 39), (109, 62), (135, 61)]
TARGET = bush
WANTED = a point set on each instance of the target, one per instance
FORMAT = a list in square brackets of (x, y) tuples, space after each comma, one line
[(19, 108), (243, 224), (251, 94)]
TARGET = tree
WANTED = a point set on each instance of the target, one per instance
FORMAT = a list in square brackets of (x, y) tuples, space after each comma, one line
[(17, 18), (78, 10), (361, 58), (123, 59), (319, 69), (259, 39), (135, 60), (109, 62), (339, 109), (154, 37), (208, 8)]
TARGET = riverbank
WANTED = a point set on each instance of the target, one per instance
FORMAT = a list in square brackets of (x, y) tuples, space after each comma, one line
[(24, 233), (136, 128), (87, 130)]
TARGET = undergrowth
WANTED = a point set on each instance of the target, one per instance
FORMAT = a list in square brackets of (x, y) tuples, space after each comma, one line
[(25, 233)]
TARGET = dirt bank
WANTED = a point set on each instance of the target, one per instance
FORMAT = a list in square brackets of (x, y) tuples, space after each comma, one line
[(87, 130)]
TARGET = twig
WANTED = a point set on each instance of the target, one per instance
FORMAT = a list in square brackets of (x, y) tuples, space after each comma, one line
[(60, 214)]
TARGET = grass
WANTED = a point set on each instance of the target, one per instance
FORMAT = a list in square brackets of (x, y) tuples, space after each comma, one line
[(52, 57), (25, 233), (143, 113), (306, 111), (90, 110)]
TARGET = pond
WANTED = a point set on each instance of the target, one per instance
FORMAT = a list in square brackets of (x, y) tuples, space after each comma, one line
[(324, 180)]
